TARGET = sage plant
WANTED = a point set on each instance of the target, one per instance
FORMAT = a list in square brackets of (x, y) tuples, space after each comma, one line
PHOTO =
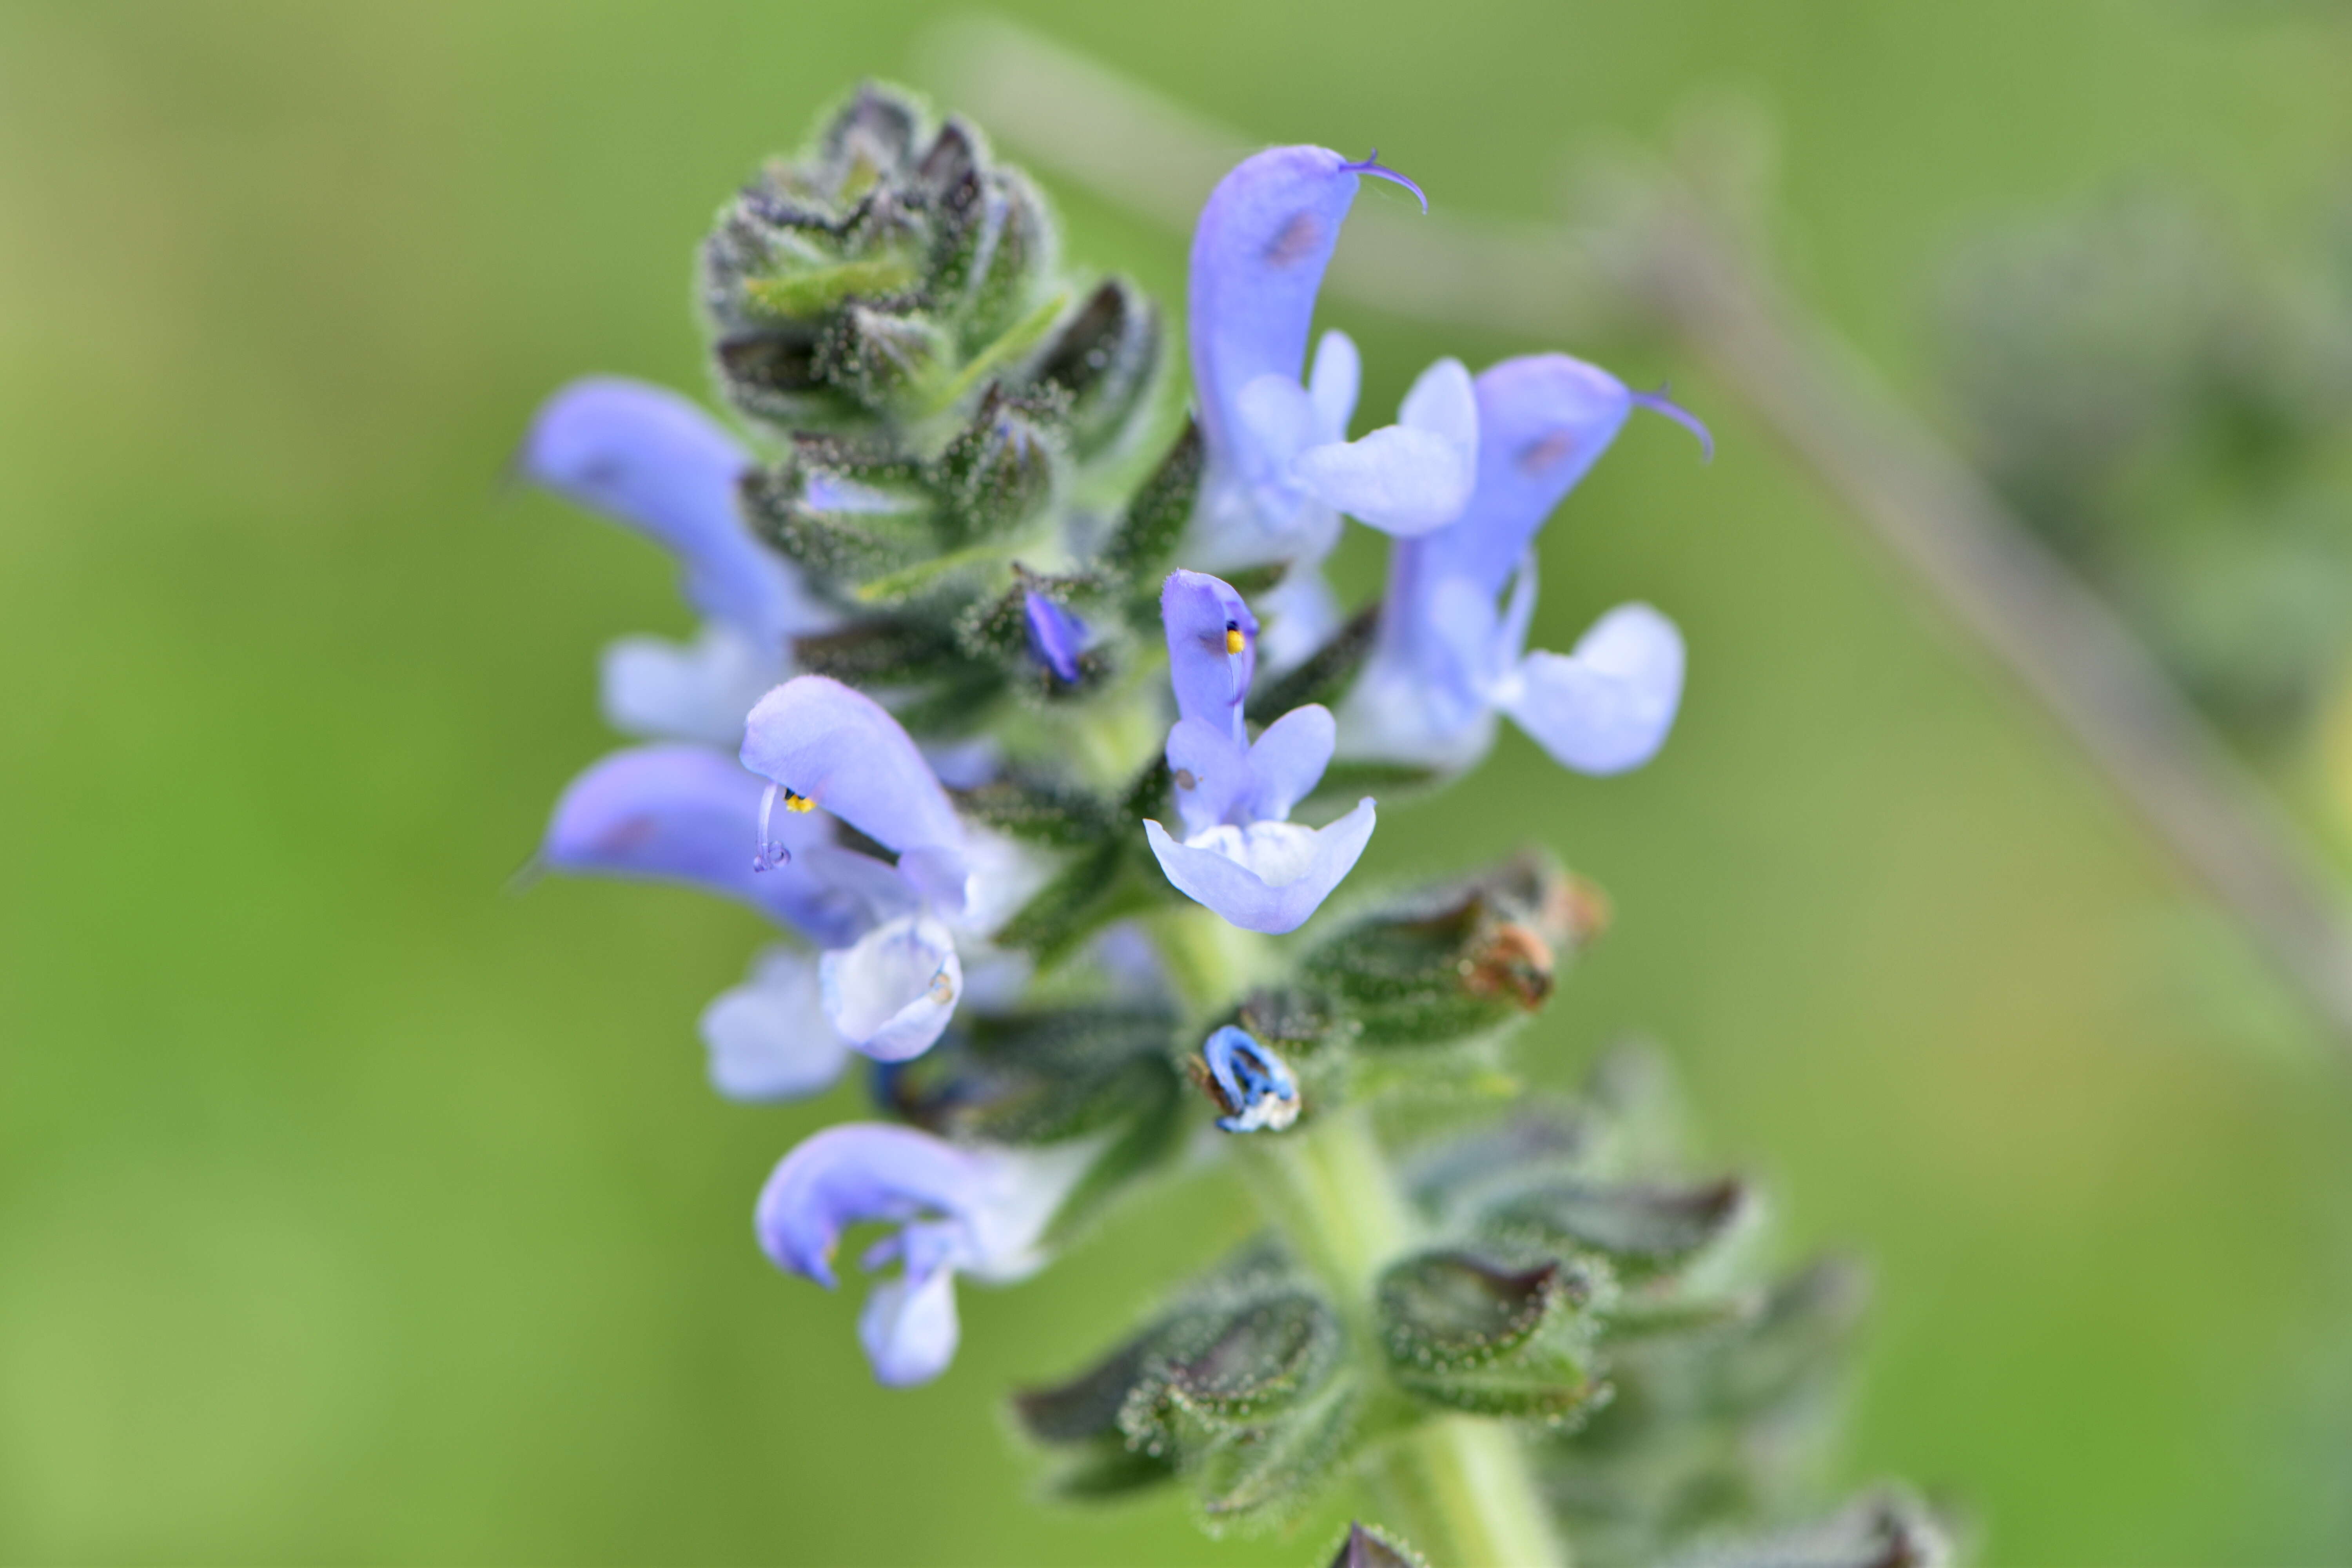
[(1051, 755)]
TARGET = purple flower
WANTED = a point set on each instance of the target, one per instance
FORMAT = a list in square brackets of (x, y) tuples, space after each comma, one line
[(1281, 467), (821, 743), (655, 461), (1211, 648), (1449, 656), (1240, 854), (891, 991), (979, 1211)]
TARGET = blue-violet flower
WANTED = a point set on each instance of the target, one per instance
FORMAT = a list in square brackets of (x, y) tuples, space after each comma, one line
[(1447, 659), (821, 743), (1281, 469), (978, 1211), (1240, 854)]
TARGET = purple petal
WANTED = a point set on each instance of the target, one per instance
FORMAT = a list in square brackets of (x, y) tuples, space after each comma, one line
[(826, 743), (1332, 385), (1423, 696), (1056, 635), (1288, 759), (1201, 615), (1300, 614), (1258, 256), (852, 1172), (1411, 477), (769, 1037), (688, 814), (1607, 707), (1399, 480), (1219, 781), (654, 460), (890, 995), (1543, 421), (1275, 421), (909, 1327), (1211, 772), (687, 692), (1268, 877)]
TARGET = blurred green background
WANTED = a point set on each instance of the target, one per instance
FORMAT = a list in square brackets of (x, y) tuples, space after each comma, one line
[(354, 1209)]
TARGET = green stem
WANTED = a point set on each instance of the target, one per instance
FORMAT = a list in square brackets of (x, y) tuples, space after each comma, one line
[(1209, 961), (1457, 1488), (1459, 1492)]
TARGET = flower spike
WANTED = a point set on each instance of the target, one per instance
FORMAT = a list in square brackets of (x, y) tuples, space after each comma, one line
[(941, 522)]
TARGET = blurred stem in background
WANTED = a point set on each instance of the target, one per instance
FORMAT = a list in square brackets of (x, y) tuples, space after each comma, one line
[(1675, 252)]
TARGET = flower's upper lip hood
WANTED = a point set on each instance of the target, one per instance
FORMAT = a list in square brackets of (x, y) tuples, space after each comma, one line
[(1264, 238)]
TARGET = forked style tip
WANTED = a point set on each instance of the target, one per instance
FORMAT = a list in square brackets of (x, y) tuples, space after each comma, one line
[(1659, 403), (1374, 166)]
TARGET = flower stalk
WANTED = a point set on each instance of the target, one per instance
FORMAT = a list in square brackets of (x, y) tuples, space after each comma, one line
[(1049, 812), (1458, 1489)]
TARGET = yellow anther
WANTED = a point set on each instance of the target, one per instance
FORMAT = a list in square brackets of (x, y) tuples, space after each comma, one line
[(1232, 639), (798, 802)]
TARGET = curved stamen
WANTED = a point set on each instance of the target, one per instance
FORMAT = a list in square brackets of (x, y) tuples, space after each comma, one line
[(1659, 403), (1374, 166), (771, 852)]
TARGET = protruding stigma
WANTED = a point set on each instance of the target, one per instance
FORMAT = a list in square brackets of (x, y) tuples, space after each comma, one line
[(1374, 166), (1659, 403), (770, 852)]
